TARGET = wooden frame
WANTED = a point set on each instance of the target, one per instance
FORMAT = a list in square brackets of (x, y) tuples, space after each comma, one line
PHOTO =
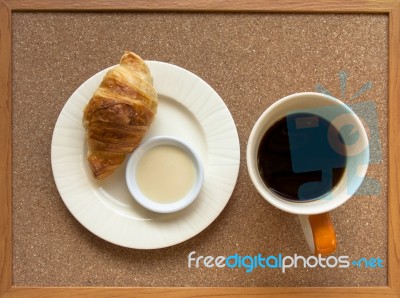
[(389, 7)]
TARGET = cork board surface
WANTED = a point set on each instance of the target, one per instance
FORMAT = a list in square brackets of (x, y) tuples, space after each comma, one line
[(251, 60)]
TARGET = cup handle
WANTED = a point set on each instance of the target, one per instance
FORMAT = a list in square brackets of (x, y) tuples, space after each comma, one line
[(319, 232)]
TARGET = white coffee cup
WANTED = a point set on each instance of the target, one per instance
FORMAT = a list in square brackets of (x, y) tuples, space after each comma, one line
[(314, 216)]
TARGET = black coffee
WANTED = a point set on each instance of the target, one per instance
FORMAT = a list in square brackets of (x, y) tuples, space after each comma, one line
[(296, 160)]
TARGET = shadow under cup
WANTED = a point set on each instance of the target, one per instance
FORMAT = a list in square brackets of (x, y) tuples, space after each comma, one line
[(328, 153)]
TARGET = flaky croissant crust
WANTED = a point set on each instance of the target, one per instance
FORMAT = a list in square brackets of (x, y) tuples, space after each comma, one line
[(119, 114)]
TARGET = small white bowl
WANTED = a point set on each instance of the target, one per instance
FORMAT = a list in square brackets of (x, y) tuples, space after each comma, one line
[(151, 204)]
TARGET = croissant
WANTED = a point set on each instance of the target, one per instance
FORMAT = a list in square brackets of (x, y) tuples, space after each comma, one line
[(119, 114)]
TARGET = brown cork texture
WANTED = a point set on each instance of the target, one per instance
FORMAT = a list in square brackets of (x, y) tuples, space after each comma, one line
[(251, 60)]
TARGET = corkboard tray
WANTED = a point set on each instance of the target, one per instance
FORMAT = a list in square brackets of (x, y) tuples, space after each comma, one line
[(251, 53)]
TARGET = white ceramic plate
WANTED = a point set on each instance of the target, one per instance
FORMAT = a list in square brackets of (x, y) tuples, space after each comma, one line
[(189, 109)]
